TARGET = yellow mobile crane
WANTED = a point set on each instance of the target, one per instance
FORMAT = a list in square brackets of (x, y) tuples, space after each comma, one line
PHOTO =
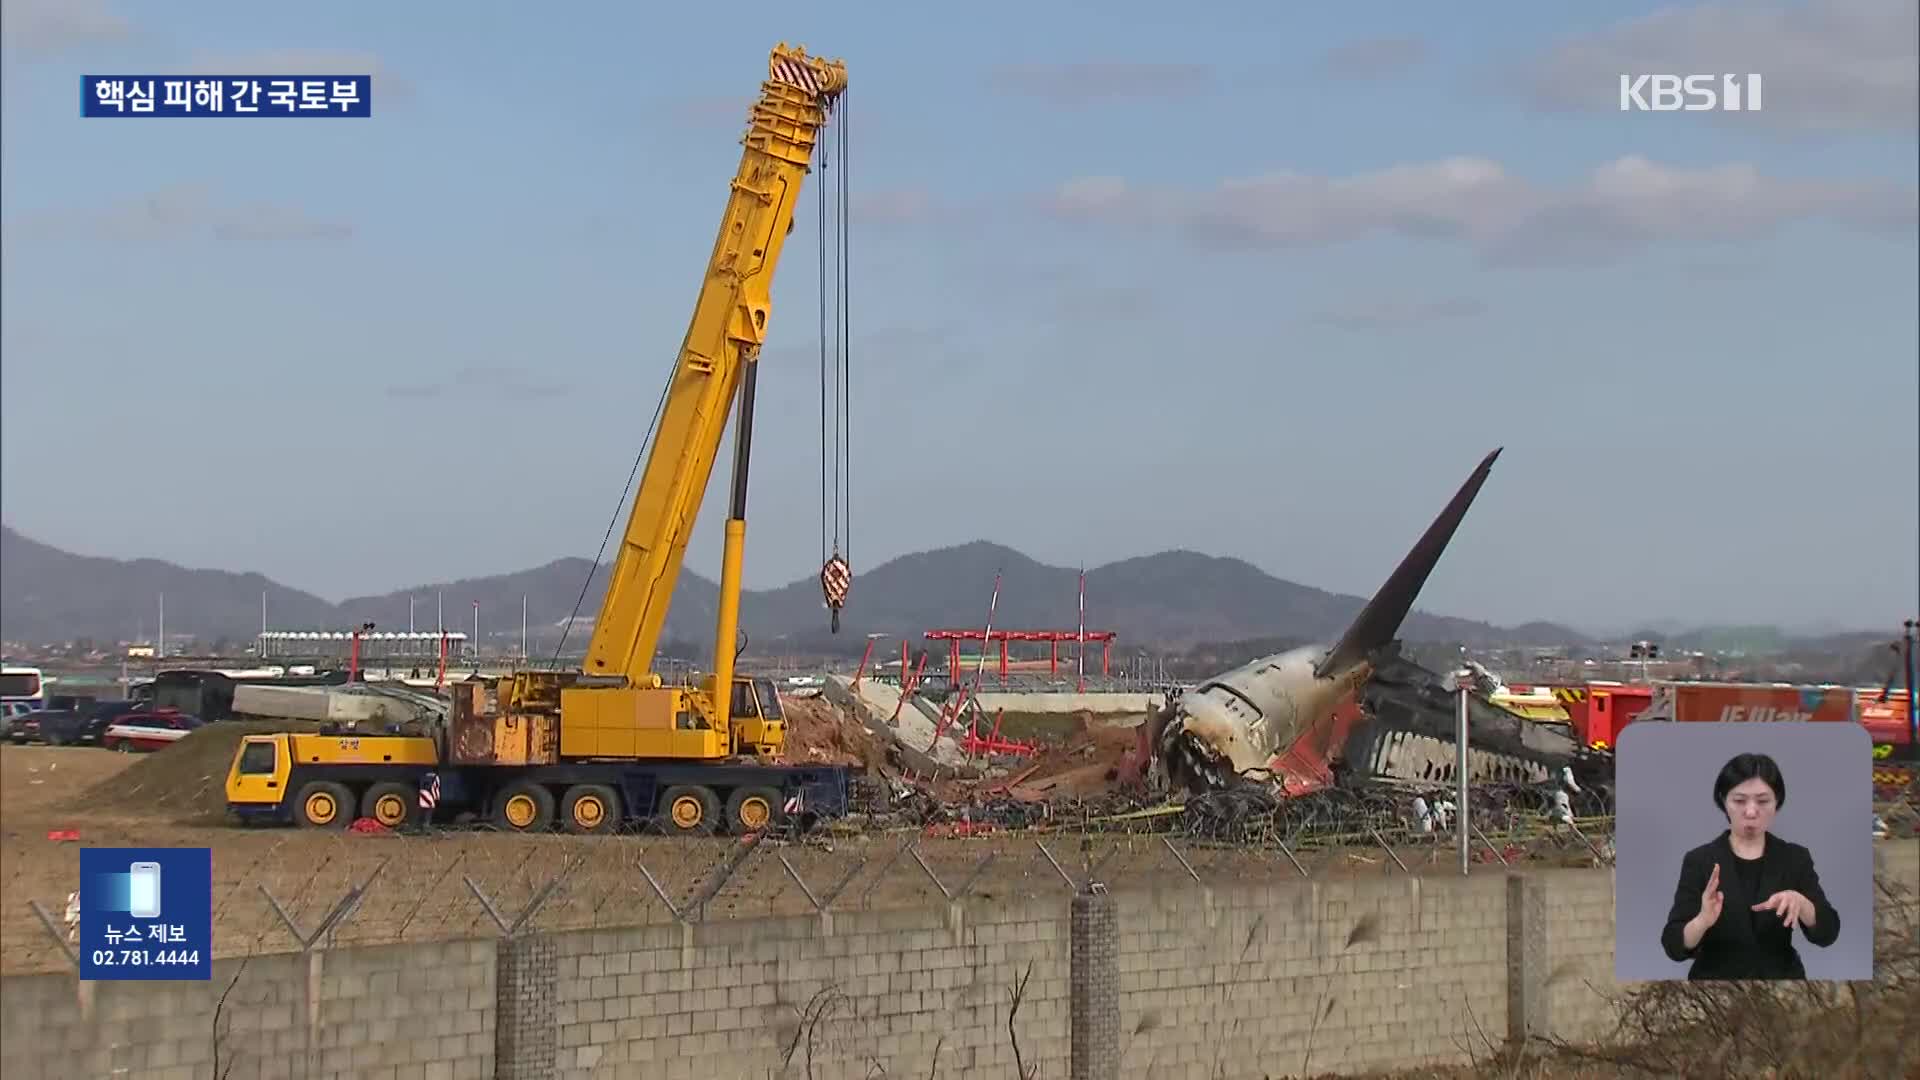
[(612, 742)]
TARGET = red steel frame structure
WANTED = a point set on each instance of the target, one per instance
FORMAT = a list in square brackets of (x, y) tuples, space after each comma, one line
[(953, 638), (1054, 638)]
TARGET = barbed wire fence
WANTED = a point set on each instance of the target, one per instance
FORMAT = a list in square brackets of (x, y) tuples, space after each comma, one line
[(300, 890)]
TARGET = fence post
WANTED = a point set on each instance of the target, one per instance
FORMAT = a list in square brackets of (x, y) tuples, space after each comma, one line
[(526, 1036), (1528, 1017), (344, 909), (1094, 994)]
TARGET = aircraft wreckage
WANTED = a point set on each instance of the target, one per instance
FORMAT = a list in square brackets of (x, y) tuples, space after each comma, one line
[(1242, 726)]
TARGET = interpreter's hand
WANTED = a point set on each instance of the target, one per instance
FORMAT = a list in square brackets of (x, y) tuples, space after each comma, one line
[(1793, 908), (1711, 900)]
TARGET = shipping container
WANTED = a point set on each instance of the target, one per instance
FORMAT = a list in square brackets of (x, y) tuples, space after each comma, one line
[(1761, 703)]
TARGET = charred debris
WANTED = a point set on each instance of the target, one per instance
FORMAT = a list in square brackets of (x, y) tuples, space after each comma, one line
[(1369, 766)]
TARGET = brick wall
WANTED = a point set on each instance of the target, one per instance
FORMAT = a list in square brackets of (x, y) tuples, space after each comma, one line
[(1246, 981), (755, 999), (525, 1036), (1310, 977), (410, 1013), (1578, 965)]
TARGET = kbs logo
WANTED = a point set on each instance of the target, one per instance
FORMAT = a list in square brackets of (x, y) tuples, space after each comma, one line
[(1690, 93)]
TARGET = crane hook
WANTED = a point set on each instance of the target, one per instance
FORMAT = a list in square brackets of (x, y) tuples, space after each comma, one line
[(836, 578)]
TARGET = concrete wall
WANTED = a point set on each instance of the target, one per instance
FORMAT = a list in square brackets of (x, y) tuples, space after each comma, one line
[(735, 999), (1247, 981), (418, 1011), (1233, 985), (1098, 702)]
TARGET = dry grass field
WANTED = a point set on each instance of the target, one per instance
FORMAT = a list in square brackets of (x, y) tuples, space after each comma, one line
[(417, 889), (416, 886)]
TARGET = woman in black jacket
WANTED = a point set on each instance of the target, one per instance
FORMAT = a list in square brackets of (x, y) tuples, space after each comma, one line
[(1742, 894)]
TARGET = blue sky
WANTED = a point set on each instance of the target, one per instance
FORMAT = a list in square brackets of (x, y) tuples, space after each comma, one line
[(1254, 280)]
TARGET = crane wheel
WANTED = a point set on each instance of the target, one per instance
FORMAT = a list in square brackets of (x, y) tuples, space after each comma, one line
[(324, 804), (691, 810), (751, 809), (590, 808), (523, 807), (389, 804)]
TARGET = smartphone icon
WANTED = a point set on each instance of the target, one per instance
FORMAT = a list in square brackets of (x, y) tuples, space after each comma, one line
[(143, 892)]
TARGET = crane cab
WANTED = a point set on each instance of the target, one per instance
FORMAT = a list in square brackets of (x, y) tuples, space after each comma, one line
[(759, 725)]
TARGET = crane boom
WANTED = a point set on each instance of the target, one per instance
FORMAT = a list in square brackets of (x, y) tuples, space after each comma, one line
[(613, 744), (718, 362)]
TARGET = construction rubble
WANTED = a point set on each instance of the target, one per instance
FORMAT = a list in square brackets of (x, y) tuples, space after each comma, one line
[(1369, 770)]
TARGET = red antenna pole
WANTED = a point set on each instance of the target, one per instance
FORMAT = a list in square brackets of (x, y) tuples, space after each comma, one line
[(864, 657), (907, 686)]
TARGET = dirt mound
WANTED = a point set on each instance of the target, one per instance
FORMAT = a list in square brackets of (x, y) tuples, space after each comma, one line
[(820, 731), (184, 781), (1086, 764)]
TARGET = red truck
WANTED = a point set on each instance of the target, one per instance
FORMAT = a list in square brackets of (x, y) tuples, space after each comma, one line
[(1761, 703), (1895, 756), (1886, 721), (1598, 710)]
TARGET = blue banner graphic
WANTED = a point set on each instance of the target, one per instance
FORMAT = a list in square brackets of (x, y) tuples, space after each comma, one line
[(146, 913), (226, 95)]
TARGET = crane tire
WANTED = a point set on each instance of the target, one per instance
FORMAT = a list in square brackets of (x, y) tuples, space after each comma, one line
[(689, 810), (324, 804), (523, 807), (590, 808)]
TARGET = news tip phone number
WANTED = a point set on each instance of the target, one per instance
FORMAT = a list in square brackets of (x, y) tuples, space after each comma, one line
[(146, 957), (185, 97)]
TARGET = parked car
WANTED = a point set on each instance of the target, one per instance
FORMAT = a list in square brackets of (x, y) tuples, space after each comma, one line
[(14, 714), (147, 730), (81, 726)]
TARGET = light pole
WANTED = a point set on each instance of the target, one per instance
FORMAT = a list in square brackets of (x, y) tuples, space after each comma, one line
[(1646, 652), (1906, 663), (1461, 825), (353, 654)]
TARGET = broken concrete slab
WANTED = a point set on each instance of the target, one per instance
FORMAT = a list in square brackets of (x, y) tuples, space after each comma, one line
[(875, 703)]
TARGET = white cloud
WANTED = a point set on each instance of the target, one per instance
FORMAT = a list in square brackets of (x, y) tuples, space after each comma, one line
[(183, 211), (45, 27), (1079, 84), (387, 86), (1623, 205), (892, 207), (482, 381), (1371, 58), (709, 111), (1828, 65), (1396, 313)]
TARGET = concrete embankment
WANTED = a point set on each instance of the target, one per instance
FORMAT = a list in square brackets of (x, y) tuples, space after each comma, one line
[(913, 724), (1101, 703)]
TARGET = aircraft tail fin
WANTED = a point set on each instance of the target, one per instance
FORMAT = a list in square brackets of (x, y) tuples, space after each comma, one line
[(1379, 621)]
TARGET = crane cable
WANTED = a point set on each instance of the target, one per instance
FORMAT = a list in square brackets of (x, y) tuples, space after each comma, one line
[(653, 431), (836, 572)]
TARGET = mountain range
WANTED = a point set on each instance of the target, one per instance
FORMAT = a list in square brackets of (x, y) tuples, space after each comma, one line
[(1172, 600)]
